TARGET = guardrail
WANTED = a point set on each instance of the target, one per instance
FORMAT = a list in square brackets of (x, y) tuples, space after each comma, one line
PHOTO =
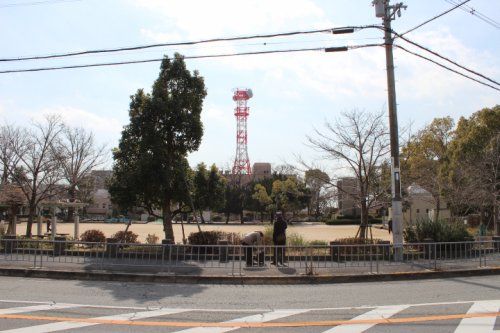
[(239, 260)]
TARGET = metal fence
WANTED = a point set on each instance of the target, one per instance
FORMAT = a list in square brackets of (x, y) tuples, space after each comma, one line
[(241, 260)]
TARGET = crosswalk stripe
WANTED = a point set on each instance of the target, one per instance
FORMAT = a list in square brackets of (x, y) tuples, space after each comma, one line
[(479, 324), (258, 318), (377, 313), (41, 307), (65, 325)]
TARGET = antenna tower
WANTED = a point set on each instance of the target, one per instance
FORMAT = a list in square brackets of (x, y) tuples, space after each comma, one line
[(241, 162)]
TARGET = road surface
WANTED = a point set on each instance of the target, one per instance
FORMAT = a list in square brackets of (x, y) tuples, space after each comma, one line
[(460, 305)]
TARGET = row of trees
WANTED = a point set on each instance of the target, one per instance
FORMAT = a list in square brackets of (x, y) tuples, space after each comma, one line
[(150, 164), (45, 162), (458, 164)]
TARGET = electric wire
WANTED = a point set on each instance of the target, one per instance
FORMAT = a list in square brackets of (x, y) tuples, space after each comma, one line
[(445, 58), (446, 67), (435, 17), (35, 3), (118, 63), (140, 47), (477, 14)]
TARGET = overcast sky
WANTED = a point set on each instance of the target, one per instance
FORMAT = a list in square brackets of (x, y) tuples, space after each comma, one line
[(293, 92)]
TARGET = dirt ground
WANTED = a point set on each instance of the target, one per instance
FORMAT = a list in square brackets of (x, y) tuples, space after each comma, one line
[(308, 230)]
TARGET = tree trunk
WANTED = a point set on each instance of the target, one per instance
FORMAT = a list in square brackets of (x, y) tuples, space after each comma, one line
[(364, 221), (496, 222), (71, 210), (167, 221), (227, 217), (438, 208), (201, 217), (32, 213), (241, 217)]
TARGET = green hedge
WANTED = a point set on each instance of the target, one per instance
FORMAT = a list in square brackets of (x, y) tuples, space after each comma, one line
[(438, 231), (357, 221)]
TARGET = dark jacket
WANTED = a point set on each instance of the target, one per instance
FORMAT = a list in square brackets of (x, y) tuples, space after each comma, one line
[(279, 230)]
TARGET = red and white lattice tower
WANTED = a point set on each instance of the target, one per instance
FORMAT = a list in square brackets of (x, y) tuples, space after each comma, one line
[(241, 161)]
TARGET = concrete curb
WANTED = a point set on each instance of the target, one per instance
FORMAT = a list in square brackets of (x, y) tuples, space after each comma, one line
[(245, 280)]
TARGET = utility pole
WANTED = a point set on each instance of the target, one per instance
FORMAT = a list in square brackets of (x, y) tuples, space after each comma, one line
[(388, 13)]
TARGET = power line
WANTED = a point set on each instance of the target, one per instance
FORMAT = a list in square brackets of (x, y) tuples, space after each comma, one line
[(446, 67), (339, 30), (435, 17), (35, 3), (445, 58), (477, 14), (119, 63)]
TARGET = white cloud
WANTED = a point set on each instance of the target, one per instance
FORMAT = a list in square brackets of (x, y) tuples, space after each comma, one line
[(213, 113), (100, 125), (160, 37), (196, 18)]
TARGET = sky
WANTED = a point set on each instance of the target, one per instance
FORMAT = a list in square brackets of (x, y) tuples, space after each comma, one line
[(294, 93)]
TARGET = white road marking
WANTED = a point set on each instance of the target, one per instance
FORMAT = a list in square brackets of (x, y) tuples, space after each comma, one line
[(479, 324), (239, 310), (259, 318), (65, 325), (41, 307), (377, 313)]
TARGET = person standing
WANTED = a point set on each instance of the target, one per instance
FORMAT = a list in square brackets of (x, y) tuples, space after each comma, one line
[(255, 238), (279, 239)]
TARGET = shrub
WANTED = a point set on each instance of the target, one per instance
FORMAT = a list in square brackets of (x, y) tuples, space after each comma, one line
[(152, 239), (125, 237), (217, 218), (318, 242), (151, 218), (346, 221), (438, 231), (94, 236), (204, 237), (358, 241), (295, 239)]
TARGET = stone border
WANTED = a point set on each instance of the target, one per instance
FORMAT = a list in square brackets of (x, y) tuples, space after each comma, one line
[(245, 280)]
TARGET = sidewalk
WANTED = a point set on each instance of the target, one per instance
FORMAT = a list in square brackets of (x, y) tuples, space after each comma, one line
[(233, 272)]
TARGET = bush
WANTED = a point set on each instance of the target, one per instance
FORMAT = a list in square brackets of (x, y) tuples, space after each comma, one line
[(438, 231), (93, 235), (125, 237), (358, 241), (294, 239), (318, 243), (346, 221), (204, 237), (151, 218), (217, 218), (152, 239)]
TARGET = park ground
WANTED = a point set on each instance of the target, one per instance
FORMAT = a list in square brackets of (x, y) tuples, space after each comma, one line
[(308, 230)]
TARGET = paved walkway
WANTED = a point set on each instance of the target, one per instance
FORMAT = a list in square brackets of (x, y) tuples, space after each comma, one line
[(238, 268), (307, 230)]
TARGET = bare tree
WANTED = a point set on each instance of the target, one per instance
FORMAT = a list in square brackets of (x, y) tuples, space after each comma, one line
[(11, 140), (78, 156), (13, 198), (359, 143), (38, 173)]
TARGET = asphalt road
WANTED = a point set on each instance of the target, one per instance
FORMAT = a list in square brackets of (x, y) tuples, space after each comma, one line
[(448, 305)]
